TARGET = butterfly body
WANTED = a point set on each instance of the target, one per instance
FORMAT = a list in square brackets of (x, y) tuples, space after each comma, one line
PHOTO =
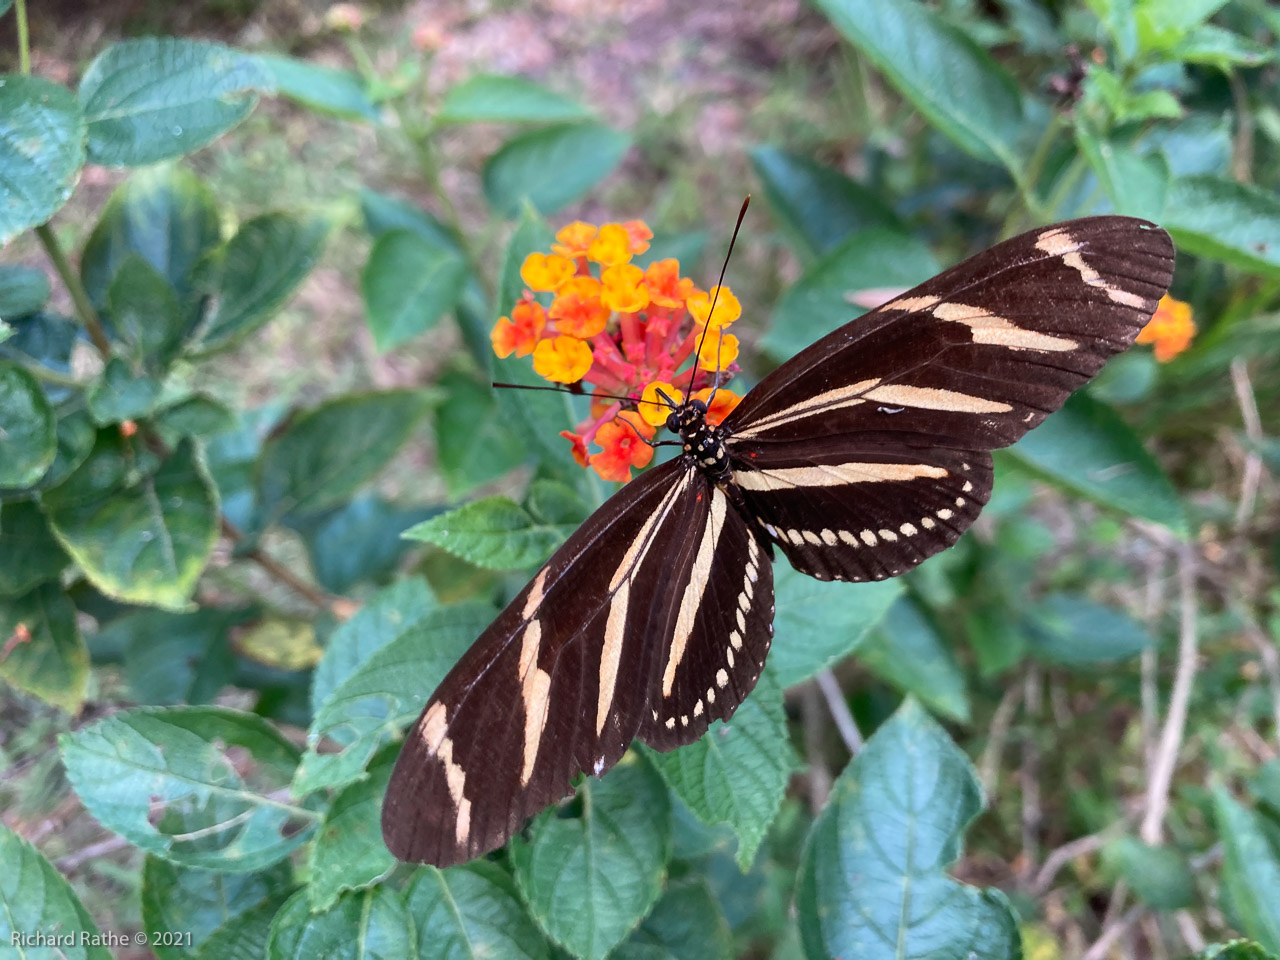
[(860, 457)]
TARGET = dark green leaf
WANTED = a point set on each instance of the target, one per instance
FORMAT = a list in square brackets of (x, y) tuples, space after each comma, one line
[(408, 284), (76, 436), (348, 853), (817, 206), (257, 271), (819, 623), (687, 924), (322, 457), (486, 98), (906, 651), (551, 167), (1250, 870), (820, 300), (242, 936), (384, 213), (196, 902), (372, 925), (1237, 223), (359, 542), (41, 151), (145, 314), (141, 534), (233, 457), (1221, 48), (872, 881), (588, 879), (324, 89), (198, 415), (1159, 876), (34, 897), (1137, 184), (737, 772), (29, 554), (155, 98), (46, 655), (174, 658), (27, 439), (1073, 630), (173, 781), (120, 394), (472, 912), (43, 337), (1088, 449), (475, 441), (1235, 950), (945, 74), (23, 290), (496, 533)]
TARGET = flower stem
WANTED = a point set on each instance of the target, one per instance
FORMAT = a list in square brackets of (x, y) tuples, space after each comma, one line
[(79, 296), (24, 37)]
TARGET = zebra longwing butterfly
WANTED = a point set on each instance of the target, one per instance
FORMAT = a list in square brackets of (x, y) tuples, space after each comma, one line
[(860, 457)]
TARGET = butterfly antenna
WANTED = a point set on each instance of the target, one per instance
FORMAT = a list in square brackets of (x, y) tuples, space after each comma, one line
[(712, 312), (666, 401)]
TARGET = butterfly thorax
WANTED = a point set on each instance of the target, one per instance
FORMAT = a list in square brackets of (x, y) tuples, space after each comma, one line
[(703, 442)]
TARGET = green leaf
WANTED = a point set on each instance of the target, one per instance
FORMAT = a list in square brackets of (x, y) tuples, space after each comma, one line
[(325, 455), (1159, 876), (551, 167), (23, 290), (175, 658), (872, 880), (242, 936), (820, 301), (1088, 449), (198, 415), (409, 284), (155, 98), (472, 912), (75, 438), (120, 394), (475, 439), (687, 924), (1237, 223), (588, 879), (817, 207), (906, 651), (1163, 23), (27, 438), (42, 135), (34, 897), (360, 541), (167, 216), (340, 93), (174, 781), (46, 654), (1250, 870), (486, 98), (29, 554), (141, 534), (737, 772), (257, 271), (373, 925), (945, 74), (819, 623), (497, 533), (145, 314), (348, 853), (1235, 950), (384, 693), (1221, 48), (1108, 90), (195, 903), (1136, 184), (1071, 629)]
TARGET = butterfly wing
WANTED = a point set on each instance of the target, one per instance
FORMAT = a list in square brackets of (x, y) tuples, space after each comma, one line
[(869, 451), (557, 685)]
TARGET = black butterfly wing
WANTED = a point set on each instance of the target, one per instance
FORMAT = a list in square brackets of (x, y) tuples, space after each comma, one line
[(869, 451), (557, 685)]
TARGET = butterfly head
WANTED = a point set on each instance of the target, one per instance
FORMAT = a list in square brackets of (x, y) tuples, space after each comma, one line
[(703, 442), (687, 417)]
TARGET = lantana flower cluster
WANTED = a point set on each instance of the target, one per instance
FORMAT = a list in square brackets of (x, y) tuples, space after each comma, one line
[(1170, 329), (628, 333)]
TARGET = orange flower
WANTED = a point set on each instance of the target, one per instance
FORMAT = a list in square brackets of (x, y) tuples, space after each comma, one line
[(624, 289), (723, 405), (665, 285), (1170, 329), (577, 309), (562, 360), (579, 446), (611, 247), (622, 447), (574, 239), (728, 309), (718, 350), (541, 271), (519, 333), (638, 235), (653, 408)]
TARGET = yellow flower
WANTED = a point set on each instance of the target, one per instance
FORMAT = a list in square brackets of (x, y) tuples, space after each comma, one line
[(541, 271), (624, 289), (612, 245), (721, 407), (653, 408), (574, 239), (562, 360), (718, 351), (1170, 329), (728, 309)]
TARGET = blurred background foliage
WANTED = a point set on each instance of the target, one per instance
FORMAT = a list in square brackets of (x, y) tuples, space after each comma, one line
[(252, 349)]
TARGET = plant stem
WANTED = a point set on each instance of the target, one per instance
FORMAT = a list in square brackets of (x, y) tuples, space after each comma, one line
[(24, 37), (79, 296), (41, 372), (284, 575)]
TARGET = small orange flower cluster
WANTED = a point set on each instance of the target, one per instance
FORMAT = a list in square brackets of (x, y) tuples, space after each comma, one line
[(1170, 328), (625, 331)]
